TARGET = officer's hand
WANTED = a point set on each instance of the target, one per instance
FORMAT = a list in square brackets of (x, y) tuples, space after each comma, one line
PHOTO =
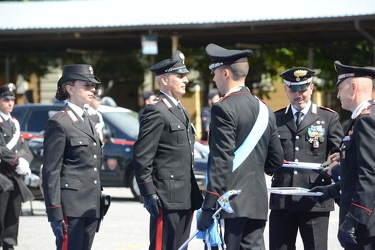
[(205, 219), (347, 230), (59, 228), (330, 191), (23, 167), (152, 204)]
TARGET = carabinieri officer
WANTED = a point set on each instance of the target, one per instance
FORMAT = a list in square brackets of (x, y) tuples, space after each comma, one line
[(308, 133), (164, 156), (71, 162)]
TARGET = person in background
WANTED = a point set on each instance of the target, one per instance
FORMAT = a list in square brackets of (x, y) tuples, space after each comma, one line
[(355, 189), (71, 162), (308, 133), (15, 163), (95, 116), (244, 144), (147, 98), (212, 97), (164, 156)]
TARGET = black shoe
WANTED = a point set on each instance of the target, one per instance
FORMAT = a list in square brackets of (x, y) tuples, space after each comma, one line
[(8, 247)]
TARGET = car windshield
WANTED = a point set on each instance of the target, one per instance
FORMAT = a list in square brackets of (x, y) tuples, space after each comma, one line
[(124, 122)]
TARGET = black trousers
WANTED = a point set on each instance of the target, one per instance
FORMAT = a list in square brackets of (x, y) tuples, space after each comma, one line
[(170, 230), (10, 208), (244, 233), (284, 226), (81, 232)]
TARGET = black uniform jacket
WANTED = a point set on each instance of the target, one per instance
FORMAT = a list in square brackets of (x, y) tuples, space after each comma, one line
[(232, 119), (9, 155), (71, 164), (298, 145), (358, 172), (164, 154)]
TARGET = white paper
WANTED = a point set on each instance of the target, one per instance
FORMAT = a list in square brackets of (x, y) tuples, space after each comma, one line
[(303, 165), (293, 191)]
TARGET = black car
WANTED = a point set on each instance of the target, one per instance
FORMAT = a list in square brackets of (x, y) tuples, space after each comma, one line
[(121, 131)]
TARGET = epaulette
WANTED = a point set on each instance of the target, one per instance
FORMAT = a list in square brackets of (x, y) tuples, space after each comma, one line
[(366, 111), (72, 117), (328, 109), (155, 101), (165, 101), (279, 110)]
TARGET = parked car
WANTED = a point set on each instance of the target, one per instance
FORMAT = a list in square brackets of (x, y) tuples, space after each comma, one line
[(120, 133)]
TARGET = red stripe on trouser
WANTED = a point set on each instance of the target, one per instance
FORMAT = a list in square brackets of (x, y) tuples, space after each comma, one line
[(159, 231), (64, 245)]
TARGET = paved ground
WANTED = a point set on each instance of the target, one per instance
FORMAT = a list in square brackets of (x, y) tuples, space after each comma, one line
[(124, 228)]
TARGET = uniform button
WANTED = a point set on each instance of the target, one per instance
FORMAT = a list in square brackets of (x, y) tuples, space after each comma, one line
[(16, 151), (296, 160), (297, 137), (95, 156), (190, 141), (178, 126), (80, 142), (94, 144), (296, 148), (188, 130), (339, 177), (322, 180), (172, 176), (5, 134), (279, 135), (340, 192), (95, 169), (95, 182), (295, 172), (66, 185)]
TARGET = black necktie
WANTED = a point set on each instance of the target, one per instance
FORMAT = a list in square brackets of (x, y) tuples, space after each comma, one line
[(179, 106), (86, 120), (298, 120)]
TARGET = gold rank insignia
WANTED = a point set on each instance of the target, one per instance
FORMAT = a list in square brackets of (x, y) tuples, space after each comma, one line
[(300, 73)]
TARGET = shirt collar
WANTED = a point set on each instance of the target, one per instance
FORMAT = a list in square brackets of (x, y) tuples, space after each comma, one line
[(78, 110), (304, 110), (170, 97), (5, 116)]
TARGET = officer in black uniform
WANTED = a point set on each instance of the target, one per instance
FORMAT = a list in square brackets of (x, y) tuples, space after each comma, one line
[(163, 159), (243, 143), (71, 162), (357, 159), (310, 138), (15, 163)]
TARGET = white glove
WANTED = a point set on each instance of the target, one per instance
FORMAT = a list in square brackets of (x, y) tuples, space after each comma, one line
[(23, 167)]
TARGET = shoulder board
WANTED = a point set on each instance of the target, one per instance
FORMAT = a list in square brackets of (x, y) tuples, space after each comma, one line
[(155, 101), (366, 111), (279, 110), (72, 117), (262, 100), (328, 109), (165, 101)]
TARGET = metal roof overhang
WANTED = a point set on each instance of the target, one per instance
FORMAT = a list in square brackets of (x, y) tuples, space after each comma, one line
[(274, 32)]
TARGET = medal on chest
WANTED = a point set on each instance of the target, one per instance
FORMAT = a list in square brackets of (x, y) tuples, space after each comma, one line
[(316, 135)]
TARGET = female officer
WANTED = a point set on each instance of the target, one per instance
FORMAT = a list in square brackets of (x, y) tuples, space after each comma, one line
[(71, 160)]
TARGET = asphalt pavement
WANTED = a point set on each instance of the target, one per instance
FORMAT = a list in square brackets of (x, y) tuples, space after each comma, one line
[(125, 227)]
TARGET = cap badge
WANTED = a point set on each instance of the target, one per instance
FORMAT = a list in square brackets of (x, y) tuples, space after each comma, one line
[(11, 87), (182, 57), (299, 73), (91, 70)]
